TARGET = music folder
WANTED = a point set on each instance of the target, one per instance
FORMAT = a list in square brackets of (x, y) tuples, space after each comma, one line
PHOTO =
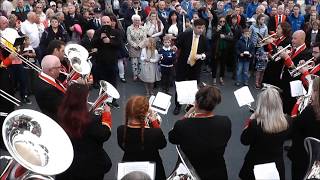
[(297, 88), (186, 91), (243, 96), (160, 103), (266, 171)]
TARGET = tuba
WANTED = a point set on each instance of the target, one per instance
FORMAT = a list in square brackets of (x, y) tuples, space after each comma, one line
[(184, 169), (312, 146), (39, 147), (106, 91), (77, 56)]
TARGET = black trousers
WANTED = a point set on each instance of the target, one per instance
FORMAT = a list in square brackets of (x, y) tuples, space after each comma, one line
[(107, 72), (166, 74)]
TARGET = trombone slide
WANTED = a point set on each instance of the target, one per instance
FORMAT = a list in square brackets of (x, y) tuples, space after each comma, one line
[(10, 98)]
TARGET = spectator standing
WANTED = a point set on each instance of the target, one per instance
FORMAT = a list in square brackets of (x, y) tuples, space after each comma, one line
[(296, 20), (136, 36), (21, 10), (251, 8)]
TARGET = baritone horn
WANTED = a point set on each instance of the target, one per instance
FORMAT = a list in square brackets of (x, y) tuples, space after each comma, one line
[(312, 146), (39, 147), (276, 56), (308, 64), (106, 91), (77, 56)]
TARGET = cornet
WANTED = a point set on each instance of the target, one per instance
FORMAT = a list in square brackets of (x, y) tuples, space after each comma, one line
[(106, 91), (276, 56), (308, 64), (262, 42)]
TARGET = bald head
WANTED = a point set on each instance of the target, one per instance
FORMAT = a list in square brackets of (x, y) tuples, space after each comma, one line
[(51, 66), (105, 20), (3, 23), (298, 38), (32, 16)]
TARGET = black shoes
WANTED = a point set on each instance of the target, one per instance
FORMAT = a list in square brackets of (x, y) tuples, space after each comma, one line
[(123, 80), (26, 100), (177, 110)]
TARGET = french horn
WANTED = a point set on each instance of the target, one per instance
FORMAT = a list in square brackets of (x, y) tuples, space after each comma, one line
[(312, 146), (39, 147), (184, 169)]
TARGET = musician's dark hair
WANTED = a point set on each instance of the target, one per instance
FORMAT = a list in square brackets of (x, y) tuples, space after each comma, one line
[(199, 22), (136, 109), (73, 113), (53, 45), (208, 97), (286, 29)]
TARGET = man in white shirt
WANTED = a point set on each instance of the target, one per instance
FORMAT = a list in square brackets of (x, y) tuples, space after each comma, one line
[(30, 29), (7, 7)]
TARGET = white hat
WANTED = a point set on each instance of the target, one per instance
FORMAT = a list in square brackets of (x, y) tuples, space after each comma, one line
[(52, 3)]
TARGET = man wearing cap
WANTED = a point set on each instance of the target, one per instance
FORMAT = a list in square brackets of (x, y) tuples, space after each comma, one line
[(95, 22), (53, 6)]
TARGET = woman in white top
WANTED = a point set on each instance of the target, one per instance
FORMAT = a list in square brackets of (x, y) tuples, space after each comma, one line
[(174, 27), (149, 66)]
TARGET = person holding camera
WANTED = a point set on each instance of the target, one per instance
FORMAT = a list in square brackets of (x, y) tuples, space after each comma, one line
[(107, 41), (244, 50)]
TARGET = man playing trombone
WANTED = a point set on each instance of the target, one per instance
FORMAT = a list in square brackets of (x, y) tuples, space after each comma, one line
[(291, 60)]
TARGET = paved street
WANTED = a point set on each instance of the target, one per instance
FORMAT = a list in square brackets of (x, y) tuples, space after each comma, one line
[(235, 151)]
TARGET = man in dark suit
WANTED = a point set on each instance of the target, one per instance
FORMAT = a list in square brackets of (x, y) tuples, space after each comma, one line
[(95, 22), (277, 19), (71, 19), (49, 92), (299, 52), (107, 41), (192, 49)]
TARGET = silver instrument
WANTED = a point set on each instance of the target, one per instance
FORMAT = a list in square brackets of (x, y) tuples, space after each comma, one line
[(4, 43), (78, 57), (305, 100), (262, 42), (106, 91), (312, 146), (184, 169), (308, 64), (9, 97), (276, 56), (37, 144)]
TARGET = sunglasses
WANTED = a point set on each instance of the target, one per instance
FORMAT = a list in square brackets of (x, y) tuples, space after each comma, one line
[(222, 21)]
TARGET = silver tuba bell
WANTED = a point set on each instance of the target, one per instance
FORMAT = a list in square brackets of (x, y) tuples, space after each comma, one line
[(39, 147), (183, 170), (312, 146)]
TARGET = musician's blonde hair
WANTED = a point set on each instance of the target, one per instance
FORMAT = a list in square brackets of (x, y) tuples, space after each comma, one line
[(269, 113)]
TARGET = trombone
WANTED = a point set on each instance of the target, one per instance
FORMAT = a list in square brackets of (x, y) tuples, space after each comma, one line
[(276, 56), (10, 98), (12, 51), (308, 64)]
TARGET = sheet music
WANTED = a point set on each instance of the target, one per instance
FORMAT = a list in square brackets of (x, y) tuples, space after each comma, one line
[(297, 88), (266, 171), (160, 103), (186, 91), (143, 166), (243, 96)]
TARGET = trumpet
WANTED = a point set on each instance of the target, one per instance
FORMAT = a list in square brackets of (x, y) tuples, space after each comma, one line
[(10, 98), (276, 56), (308, 64), (12, 50), (152, 116), (262, 42)]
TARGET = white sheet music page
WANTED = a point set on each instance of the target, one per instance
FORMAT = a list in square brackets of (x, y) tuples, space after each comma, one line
[(143, 166), (297, 88), (186, 91), (243, 96), (160, 103), (266, 171)]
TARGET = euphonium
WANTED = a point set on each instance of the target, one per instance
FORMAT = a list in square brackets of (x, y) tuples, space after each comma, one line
[(312, 146)]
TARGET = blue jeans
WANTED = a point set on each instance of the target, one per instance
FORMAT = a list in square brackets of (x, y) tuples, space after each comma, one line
[(243, 71)]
